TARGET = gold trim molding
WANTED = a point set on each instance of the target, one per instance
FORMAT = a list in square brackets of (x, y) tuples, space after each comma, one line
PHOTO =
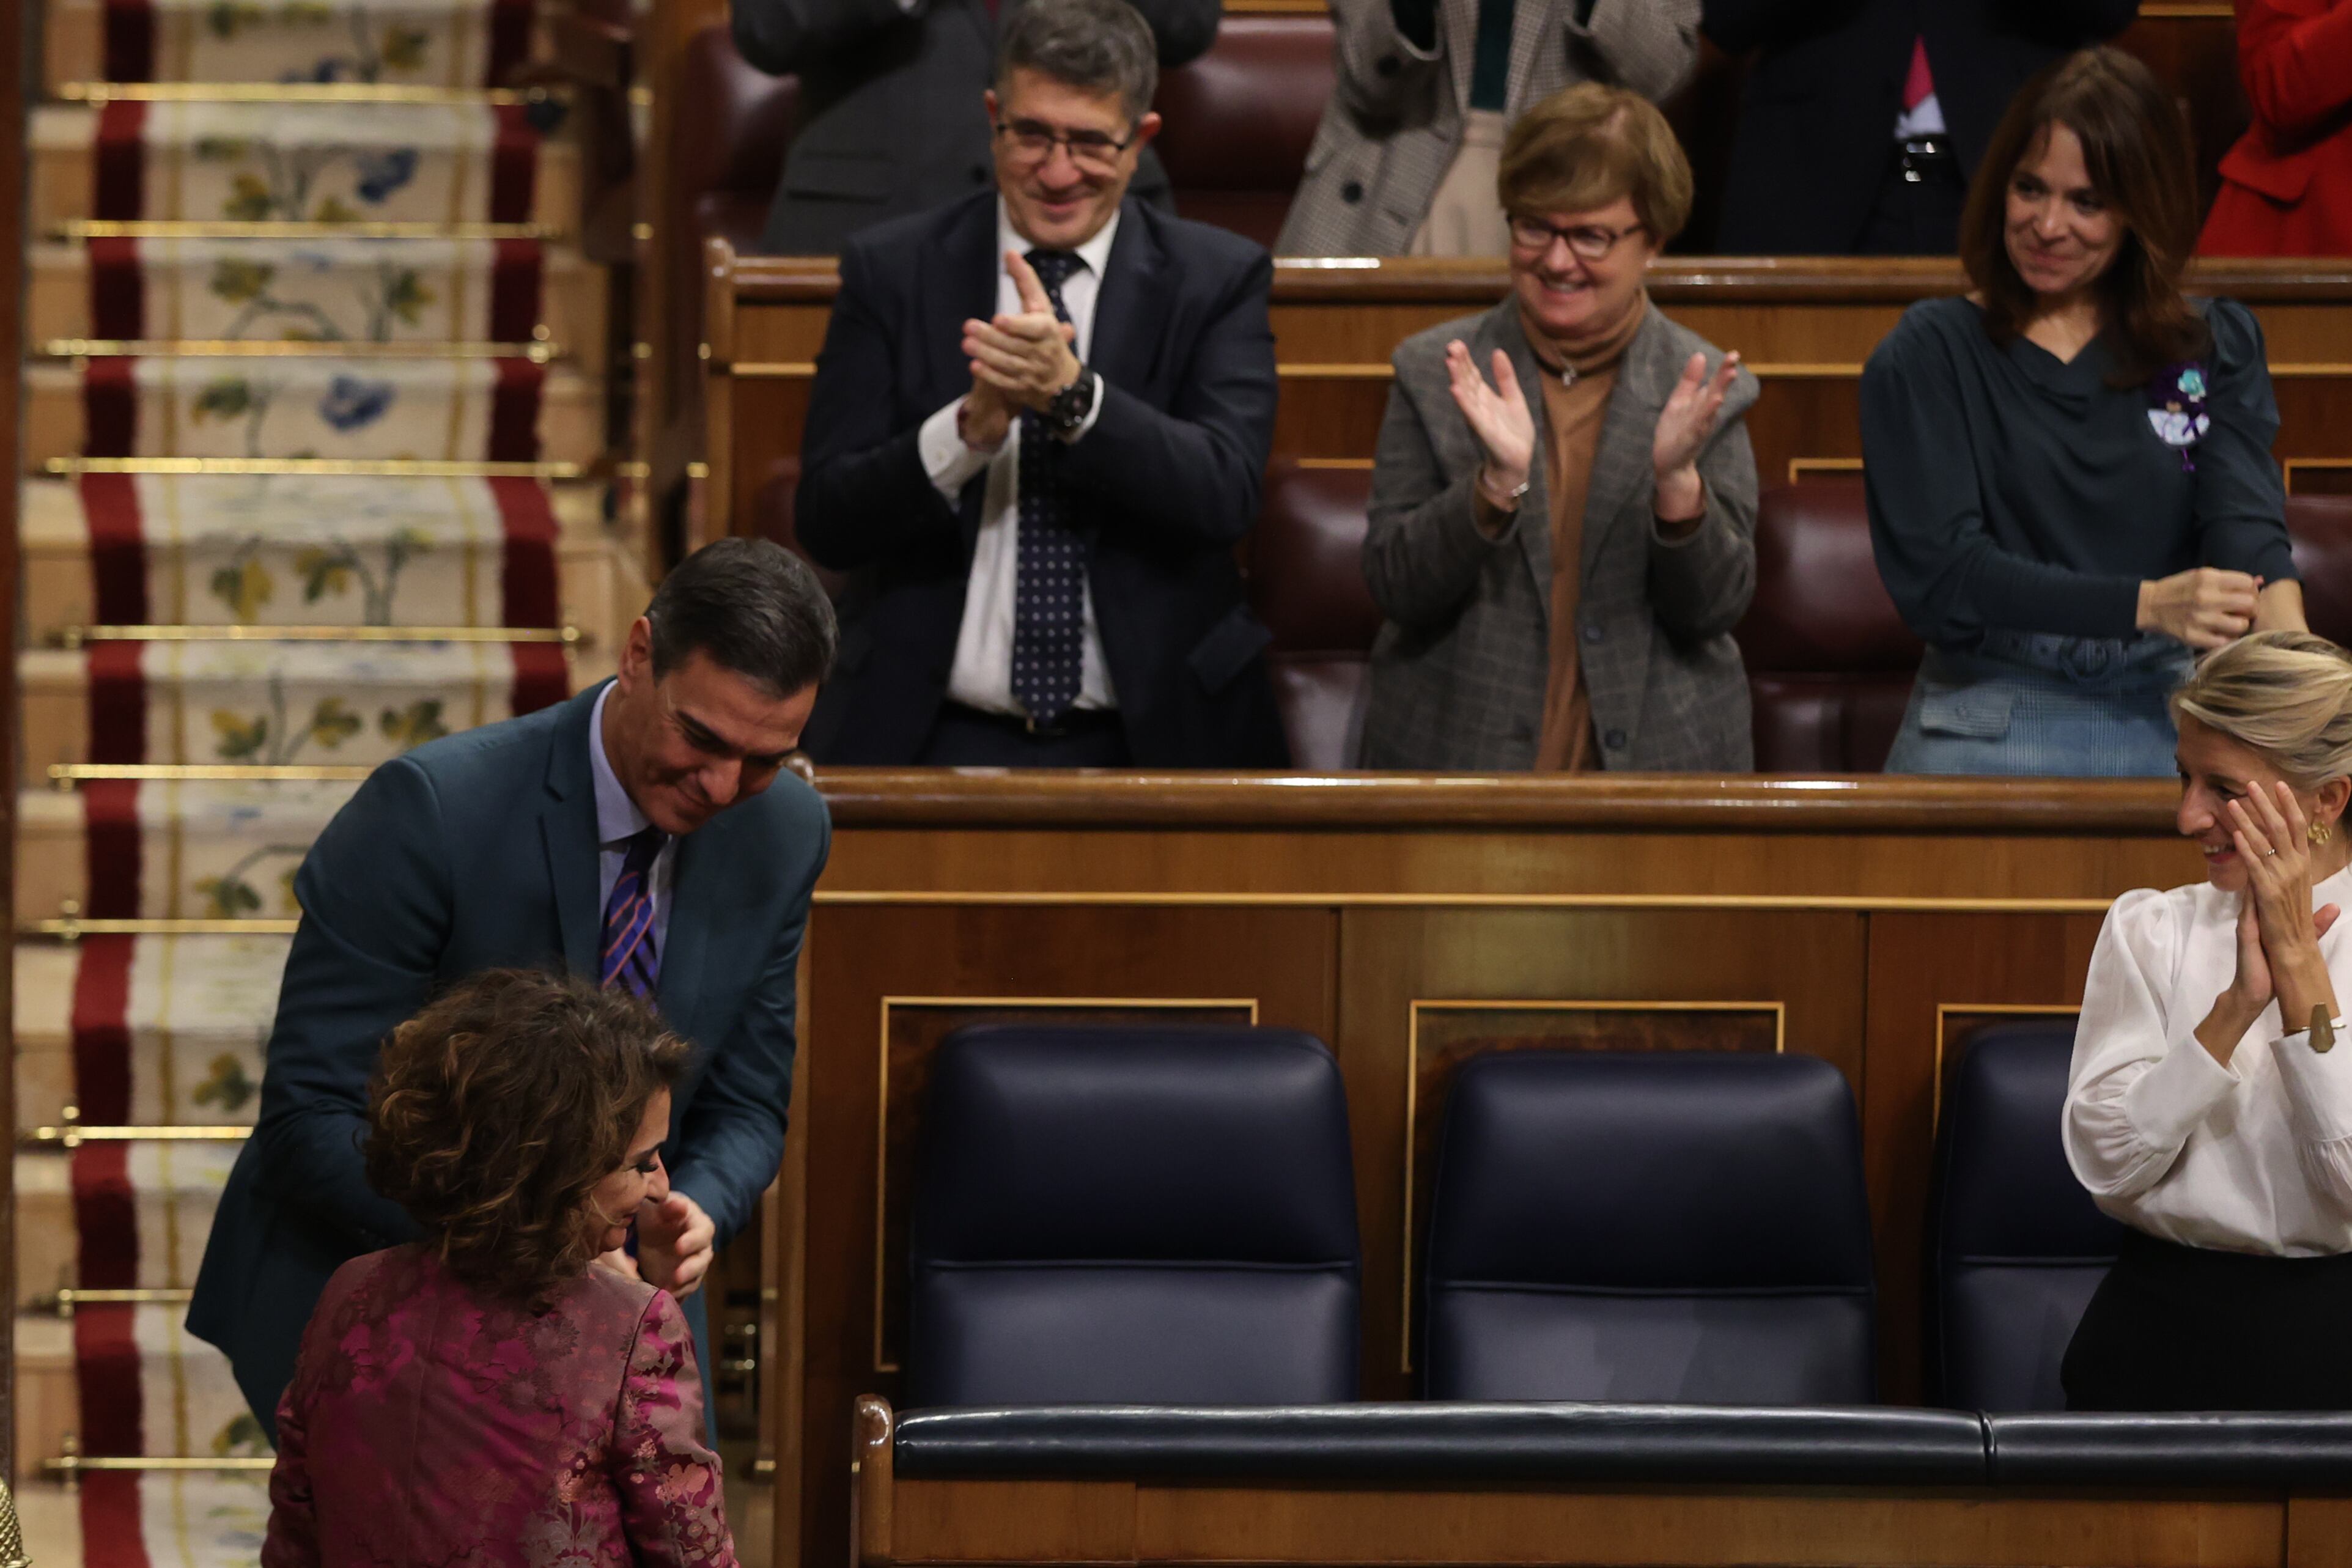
[(99, 93), (70, 637), (66, 776), (384, 468), (188, 228), (1945, 1011), (538, 353)]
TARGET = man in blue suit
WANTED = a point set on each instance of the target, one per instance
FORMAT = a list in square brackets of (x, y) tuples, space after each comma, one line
[(1039, 424), (645, 833)]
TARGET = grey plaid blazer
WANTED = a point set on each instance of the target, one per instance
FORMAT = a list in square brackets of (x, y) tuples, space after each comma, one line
[(1394, 121), (1458, 670)]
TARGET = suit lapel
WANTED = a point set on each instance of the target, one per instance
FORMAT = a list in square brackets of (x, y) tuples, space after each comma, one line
[(686, 941), (959, 284), (1531, 20), (1126, 339), (1620, 458), (1502, 330), (567, 826)]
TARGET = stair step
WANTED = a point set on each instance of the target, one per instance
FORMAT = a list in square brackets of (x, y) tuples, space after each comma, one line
[(116, 1216), (127, 1382), (333, 287), (168, 1031), (441, 165), (422, 43), (171, 849), (231, 407), (271, 703)]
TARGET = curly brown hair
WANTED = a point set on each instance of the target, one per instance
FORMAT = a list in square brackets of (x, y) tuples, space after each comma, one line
[(2137, 147), (495, 1112)]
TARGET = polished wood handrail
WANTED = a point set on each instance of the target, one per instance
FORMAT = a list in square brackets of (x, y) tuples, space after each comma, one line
[(935, 798), (1731, 279)]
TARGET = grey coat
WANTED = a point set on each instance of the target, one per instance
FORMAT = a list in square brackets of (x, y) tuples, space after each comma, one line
[(1394, 121), (1458, 670)]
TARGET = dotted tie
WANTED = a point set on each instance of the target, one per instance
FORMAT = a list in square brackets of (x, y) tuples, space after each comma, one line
[(1049, 614)]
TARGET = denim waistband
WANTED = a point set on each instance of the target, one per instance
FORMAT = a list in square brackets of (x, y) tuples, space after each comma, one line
[(2102, 663)]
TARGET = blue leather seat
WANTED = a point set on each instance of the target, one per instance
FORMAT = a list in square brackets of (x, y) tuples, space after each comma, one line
[(1678, 1228), (2015, 1244), (1147, 1216)]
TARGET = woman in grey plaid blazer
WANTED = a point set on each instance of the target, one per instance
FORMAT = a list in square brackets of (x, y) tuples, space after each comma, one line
[(1469, 670), (1411, 72)]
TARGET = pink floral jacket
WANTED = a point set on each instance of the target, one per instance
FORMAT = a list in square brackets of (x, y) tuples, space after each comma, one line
[(426, 1425)]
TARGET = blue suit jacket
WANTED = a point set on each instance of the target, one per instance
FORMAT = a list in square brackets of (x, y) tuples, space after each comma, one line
[(479, 852), (1163, 487)]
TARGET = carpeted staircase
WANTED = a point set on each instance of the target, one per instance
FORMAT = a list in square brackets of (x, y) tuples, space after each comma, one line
[(316, 384)]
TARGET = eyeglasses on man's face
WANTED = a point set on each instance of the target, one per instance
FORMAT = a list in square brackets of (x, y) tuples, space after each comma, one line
[(1033, 140), (1586, 242)]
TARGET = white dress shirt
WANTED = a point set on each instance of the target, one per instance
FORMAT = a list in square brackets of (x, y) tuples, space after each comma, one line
[(981, 676), (2252, 1158), (617, 821)]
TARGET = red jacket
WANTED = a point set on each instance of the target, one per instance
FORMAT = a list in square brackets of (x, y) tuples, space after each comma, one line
[(2287, 186)]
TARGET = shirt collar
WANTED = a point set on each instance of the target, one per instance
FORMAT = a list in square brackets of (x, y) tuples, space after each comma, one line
[(1095, 252), (618, 816)]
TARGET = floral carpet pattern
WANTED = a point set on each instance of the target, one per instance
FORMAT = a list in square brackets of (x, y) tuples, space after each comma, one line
[(349, 323)]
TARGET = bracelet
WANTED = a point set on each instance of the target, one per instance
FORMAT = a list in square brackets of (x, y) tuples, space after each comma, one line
[(1509, 503)]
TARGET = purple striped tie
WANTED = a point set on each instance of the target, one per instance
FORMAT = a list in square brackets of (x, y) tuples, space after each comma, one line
[(630, 960)]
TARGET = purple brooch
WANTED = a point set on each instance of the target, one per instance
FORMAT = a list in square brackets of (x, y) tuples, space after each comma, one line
[(2176, 409)]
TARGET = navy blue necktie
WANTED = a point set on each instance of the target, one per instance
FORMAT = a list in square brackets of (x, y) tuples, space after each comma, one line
[(632, 960), (1049, 614)]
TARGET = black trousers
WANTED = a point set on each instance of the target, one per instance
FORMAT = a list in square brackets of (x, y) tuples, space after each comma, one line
[(2187, 1328), (967, 738)]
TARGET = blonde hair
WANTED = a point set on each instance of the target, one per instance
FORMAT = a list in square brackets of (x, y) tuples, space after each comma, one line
[(2288, 695), (1586, 145)]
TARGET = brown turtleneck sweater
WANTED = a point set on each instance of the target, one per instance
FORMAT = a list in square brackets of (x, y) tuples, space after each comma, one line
[(1575, 407)]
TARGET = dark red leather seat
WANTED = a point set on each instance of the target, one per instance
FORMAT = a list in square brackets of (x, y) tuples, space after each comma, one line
[(771, 518), (1829, 662), (1239, 121), (2322, 529), (1306, 583)]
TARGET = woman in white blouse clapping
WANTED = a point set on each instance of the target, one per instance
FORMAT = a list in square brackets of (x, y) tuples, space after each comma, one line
[(2205, 1108)]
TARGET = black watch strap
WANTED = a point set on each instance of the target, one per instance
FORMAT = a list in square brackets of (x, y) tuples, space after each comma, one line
[(1071, 404)]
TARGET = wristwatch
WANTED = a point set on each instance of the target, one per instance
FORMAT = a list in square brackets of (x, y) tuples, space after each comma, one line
[(1068, 411)]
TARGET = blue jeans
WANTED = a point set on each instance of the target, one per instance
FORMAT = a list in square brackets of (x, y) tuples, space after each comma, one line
[(2036, 704)]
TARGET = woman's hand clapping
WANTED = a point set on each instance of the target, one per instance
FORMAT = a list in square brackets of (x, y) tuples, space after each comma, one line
[(2204, 607), (2278, 931), (1497, 416)]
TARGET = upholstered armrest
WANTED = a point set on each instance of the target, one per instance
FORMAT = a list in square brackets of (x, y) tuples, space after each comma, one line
[(1434, 1443), (2155, 1451)]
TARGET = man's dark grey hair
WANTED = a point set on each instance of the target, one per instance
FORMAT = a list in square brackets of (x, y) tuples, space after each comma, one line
[(750, 606), (1101, 45)]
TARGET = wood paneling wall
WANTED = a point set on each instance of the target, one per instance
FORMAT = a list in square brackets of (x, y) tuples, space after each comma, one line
[(1410, 922), (1804, 325)]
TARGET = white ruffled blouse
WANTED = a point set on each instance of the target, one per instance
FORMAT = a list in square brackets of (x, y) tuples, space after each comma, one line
[(2252, 1158)]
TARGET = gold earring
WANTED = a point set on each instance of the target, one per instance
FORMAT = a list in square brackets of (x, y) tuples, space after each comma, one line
[(2320, 832)]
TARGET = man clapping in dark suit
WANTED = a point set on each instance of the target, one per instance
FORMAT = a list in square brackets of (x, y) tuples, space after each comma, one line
[(644, 833), (1039, 424)]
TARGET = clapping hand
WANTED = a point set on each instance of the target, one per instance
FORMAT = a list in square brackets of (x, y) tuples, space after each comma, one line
[(1497, 416), (2278, 931), (1685, 427), (1018, 361)]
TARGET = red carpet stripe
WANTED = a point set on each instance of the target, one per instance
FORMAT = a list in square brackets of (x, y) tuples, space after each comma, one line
[(117, 547), (540, 679), (514, 166), (514, 412), (106, 1367), (112, 1533), (106, 1222), (120, 180), (109, 403), (130, 40), (118, 290), (515, 282), (101, 1029), (510, 40), (111, 848), (117, 703), (528, 574)]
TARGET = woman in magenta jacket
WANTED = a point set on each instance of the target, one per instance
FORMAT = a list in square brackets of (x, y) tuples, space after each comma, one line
[(2287, 186)]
